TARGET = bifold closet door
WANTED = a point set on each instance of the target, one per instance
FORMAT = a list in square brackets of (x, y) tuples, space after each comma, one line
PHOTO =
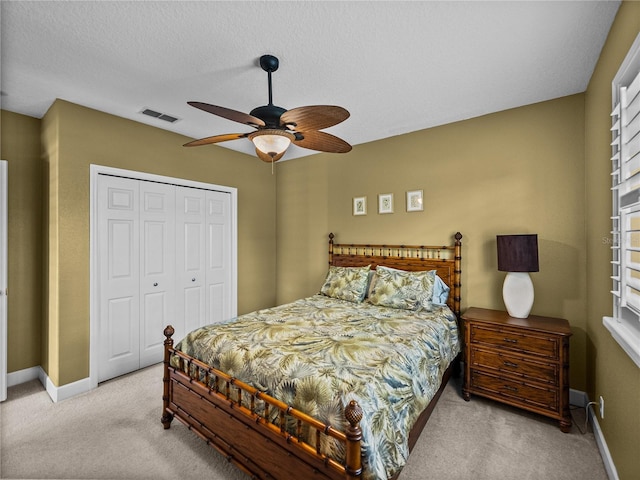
[(136, 238), (190, 260), (218, 257), (203, 258), (164, 259), (157, 267), (119, 276), (4, 220)]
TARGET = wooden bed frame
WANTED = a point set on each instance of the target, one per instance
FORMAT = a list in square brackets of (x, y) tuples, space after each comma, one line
[(223, 410)]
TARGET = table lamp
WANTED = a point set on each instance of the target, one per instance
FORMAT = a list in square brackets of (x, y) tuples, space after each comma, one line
[(518, 255)]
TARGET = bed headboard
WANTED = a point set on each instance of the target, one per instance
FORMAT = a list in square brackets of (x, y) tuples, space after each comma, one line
[(445, 259)]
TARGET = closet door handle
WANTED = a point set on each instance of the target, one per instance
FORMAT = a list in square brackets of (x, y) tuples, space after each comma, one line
[(193, 279), (155, 284)]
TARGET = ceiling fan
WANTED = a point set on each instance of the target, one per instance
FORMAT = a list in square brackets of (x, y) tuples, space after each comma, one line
[(277, 127)]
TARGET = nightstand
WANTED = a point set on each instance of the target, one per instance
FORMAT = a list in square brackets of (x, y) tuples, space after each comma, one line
[(523, 362)]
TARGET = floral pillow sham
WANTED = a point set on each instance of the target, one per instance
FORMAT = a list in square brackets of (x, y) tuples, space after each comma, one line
[(402, 289), (346, 283)]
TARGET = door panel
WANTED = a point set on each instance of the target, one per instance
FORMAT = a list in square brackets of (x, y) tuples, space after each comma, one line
[(190, 260), (118, 266), (157, 283), (3, 278), (218, 260), (216, 303), (119, 323)]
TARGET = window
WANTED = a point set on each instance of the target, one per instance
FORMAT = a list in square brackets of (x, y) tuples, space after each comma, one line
[(624, 325)]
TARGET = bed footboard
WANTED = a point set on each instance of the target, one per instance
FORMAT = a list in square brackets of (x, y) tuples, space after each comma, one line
[(248, 427)]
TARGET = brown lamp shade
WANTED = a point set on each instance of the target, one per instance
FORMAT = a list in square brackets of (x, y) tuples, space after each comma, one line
[(517, 253)]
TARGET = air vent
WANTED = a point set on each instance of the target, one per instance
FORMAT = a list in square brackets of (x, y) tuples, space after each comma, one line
[(160, 116)]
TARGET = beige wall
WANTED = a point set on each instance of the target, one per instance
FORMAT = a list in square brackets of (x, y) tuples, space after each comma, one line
[(20, 146), (75, 137), (517, 171), (612, 374)]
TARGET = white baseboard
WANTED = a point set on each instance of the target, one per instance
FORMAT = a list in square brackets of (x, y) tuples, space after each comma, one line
[(24, 376), (581, 399), (609, 466), (578, 398), (56, 393), (69, 390)]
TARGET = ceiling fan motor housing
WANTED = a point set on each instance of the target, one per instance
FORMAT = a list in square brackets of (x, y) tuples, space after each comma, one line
[(269, 114)]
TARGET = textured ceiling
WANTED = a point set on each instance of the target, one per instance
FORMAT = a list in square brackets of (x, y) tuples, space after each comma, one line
[(396, 66)]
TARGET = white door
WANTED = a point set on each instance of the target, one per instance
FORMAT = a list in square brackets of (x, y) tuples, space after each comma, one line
[(118, 242), (218, 259), (3, 279), (203, 258), (165, 256), (190, 260), (157, 271)]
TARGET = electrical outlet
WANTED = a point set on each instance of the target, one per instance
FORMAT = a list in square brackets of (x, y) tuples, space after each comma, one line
[(601, 407)]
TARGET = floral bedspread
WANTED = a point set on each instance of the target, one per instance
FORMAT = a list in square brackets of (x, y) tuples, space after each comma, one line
[(318, 353)]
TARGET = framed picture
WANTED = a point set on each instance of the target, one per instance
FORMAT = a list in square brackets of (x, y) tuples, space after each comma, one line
[(360, 205), (385, 203), (414, 201)]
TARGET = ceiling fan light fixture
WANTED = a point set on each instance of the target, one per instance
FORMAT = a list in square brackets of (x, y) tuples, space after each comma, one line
[(272, 141)]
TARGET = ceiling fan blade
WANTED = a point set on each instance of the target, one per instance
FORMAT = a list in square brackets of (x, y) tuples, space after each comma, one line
[(323, 142), (267, 158), (216, 139), (229, 114), (314, 117)]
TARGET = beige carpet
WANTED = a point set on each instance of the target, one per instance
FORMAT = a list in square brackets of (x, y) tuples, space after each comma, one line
[(114, 432)]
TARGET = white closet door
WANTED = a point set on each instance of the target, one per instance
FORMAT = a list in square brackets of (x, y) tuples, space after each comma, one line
[(190, 260), (164, 257), (218, 257), (157, 267), (3, 279), (119, 276)]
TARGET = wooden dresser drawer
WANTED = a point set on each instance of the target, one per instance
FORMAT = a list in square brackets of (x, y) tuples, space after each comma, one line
[(546, 346), (521, 392), (514, 365)]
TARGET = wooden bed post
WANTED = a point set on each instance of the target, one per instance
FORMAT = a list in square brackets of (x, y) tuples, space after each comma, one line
[(457, 273), (167, 417), (331, 235), (353, 414)]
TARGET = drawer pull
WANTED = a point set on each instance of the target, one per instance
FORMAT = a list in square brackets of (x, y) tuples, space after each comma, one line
[(510, 340), (510, 388), (511, 364)]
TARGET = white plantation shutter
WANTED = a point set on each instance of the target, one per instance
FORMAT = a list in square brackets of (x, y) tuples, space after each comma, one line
[(624, 325)]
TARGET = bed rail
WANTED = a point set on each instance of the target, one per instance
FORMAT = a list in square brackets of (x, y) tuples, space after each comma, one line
[(193, 382)]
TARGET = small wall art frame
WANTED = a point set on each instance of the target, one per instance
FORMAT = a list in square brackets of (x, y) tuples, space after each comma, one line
[(360, 205), (385, 203), (414, 201)]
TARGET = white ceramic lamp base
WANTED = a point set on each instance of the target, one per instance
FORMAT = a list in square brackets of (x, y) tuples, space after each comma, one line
[(517, 292)]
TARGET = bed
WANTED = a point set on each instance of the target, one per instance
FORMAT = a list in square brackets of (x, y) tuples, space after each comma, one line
[(338, 385)]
